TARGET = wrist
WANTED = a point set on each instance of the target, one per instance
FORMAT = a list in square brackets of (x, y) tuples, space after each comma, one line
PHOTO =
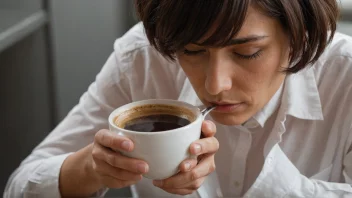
[(77, 176), (89, 171)]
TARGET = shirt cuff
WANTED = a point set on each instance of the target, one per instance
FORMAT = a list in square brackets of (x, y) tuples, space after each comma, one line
[(44, 181)]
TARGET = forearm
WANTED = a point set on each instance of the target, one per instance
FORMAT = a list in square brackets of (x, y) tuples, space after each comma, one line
[(77, 178)]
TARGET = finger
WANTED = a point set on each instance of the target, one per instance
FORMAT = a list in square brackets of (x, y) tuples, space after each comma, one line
[(188, 165), (204, 168), (207, 145), (114, 141), (179, 191), (111, 182), (194, 185), (104, 168), (118, 160), (208, 128)]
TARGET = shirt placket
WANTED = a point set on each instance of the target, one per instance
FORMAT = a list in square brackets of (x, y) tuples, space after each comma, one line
[(239, 160)]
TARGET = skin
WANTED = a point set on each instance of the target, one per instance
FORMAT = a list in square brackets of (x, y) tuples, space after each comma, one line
[(98, 165), (224, 75), (218, 75)]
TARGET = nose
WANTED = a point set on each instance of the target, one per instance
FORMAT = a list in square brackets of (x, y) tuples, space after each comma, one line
[(218, 75)]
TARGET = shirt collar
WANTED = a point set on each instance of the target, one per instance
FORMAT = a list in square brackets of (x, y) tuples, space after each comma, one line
[(264, 114), (301, 97), (270, 108)]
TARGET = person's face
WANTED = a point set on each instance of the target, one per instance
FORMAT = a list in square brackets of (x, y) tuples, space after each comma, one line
[(241, 77)]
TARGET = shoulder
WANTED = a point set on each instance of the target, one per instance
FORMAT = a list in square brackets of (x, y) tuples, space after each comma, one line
[(135, 43), (133, 40), (336, 61), (340, 47), (333, 73), (134, 50), (144, 68)]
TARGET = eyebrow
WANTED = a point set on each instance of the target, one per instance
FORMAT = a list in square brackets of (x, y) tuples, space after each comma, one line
[(238, 41), (249, 39)]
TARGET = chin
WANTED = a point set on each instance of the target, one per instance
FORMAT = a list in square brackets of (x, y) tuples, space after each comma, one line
[(228, 119)]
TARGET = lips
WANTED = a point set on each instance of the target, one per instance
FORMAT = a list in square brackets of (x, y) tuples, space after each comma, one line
[(220, 103), (226, 107)]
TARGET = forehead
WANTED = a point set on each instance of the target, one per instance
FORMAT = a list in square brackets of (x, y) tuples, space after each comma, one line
[(255, 23)]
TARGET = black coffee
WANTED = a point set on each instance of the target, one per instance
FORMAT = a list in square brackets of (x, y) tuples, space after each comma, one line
[(155, 123)]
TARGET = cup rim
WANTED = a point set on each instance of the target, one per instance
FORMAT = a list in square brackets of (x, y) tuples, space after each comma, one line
[(156, 101)]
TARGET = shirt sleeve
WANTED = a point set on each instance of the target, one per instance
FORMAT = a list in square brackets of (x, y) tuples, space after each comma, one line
[(280, 178), (38, 174)]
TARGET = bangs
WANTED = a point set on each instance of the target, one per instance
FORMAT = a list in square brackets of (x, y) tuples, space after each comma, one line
[(172, 24)]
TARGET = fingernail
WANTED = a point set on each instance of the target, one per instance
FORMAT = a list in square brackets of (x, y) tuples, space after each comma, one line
[(197, 148), (126, 145), (187, 165), (213, 127), (158, 183), (142, 168)]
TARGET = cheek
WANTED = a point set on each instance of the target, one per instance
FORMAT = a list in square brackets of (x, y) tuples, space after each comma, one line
[(259, 79), (194, 72), (257, 76), (267, 69)]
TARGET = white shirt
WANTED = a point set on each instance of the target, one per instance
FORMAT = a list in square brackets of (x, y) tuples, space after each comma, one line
[(307, 147)]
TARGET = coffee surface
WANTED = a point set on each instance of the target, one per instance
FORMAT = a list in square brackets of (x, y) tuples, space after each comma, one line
[(155, 123)]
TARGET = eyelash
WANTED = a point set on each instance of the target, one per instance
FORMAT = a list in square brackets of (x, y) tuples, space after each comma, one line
[(246, 57), (249, 57), (192, 53)]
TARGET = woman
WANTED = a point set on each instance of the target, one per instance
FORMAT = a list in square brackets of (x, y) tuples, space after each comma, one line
[(279, 74)]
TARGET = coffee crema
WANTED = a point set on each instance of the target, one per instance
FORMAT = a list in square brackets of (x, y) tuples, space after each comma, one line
[(154, 118), (155, 123)]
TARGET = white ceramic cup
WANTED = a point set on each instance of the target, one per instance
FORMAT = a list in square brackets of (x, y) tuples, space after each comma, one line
[(162, 151)]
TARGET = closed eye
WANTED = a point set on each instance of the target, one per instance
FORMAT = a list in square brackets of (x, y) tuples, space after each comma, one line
[(249, 57), (193, 53)]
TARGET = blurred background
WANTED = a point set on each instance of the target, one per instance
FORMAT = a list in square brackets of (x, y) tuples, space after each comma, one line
[(50, 51)]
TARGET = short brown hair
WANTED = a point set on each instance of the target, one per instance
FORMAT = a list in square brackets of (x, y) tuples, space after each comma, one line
[(172, 24)]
